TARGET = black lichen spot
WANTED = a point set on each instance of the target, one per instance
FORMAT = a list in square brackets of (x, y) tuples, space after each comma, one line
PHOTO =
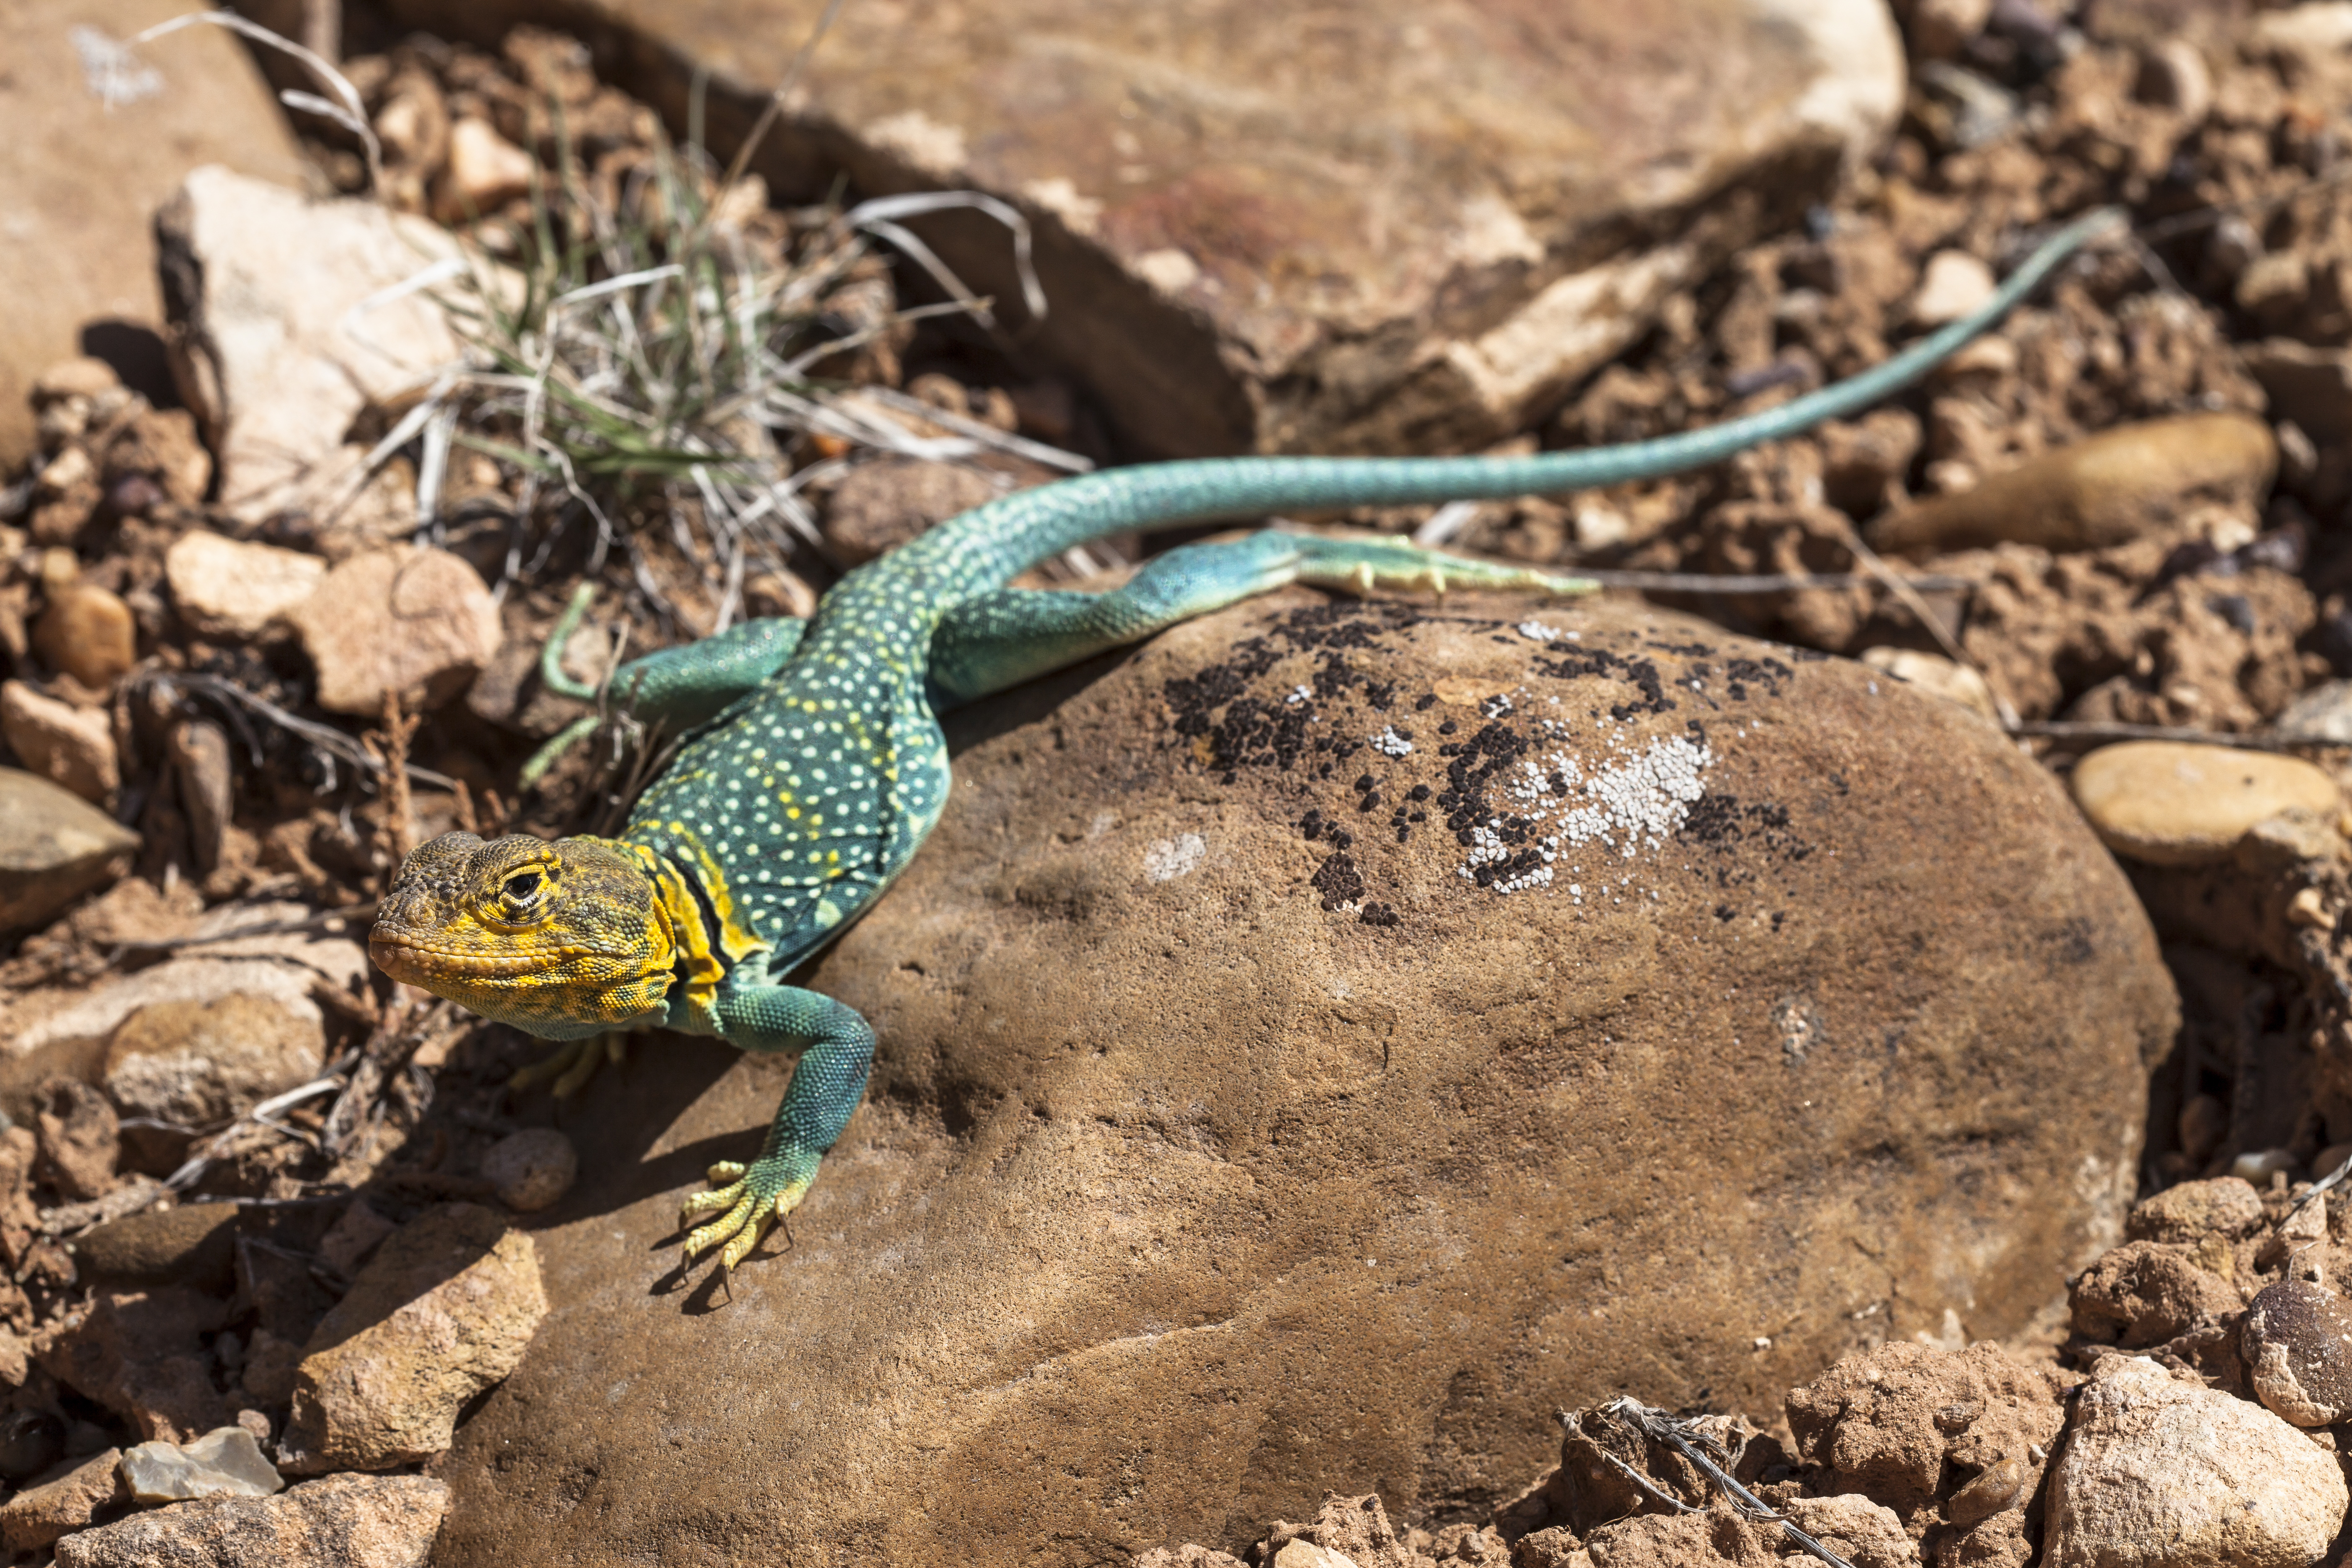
[(1365, 783), (1721, 823), (1339, 881), (1311, 825), (1425, 702), (1641, 673), (1418, 792), (2073, 940), (1724, 913), (1768, 673), (1379, 915)]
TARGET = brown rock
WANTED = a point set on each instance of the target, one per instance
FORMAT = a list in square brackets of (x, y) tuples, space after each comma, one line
[(418, 622), (88, 633), (54, 847), (2109, 489), (2311, 386), (2174, 802), (1931, 672), (2158, 1472), (159, 446), (44, 1514), (190, 1244), (141, 1355), (2297, 1343), (208, 1061), (278, 364), (340, 1521), (1391, 230), (1176, 1213), (879, 505), (79, 1139), (531, 1169), (508, 692), (485, 171), (2144, 1293), (354, 1237), (198, 751), (65, 744), (237, 592), (84, 178), (80, 376), (444, 1311), (1885, 1422), (2225, 1206), (44, 1033), (1858, 1529), (1356, 1530)]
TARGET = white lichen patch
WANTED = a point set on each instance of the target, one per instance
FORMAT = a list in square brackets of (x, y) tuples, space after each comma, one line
[(1389, 743), (1165, 859), (1632, 802), (1299, 694), (1537, 632)]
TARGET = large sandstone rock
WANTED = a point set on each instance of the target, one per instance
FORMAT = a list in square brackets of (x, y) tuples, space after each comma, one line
[(1363, 226), (80, 180), (1209, 1164)]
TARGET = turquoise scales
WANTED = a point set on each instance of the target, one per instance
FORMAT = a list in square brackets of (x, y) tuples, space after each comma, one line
[(819, 766)]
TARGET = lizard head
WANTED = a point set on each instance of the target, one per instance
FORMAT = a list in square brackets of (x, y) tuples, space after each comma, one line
[(562, 940)]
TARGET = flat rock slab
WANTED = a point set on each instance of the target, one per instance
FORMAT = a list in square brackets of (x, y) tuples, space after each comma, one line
[(1210, 1164), (1357, 228), (79, 180)]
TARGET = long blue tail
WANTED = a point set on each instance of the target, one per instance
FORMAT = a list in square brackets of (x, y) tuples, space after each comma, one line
[(981, 549)]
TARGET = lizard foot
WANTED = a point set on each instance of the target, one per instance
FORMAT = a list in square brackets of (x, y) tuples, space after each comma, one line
[(571, 1064), (747, 1199), (1362, 565)]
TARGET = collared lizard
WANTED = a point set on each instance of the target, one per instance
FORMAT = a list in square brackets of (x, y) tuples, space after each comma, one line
[(814, 765)]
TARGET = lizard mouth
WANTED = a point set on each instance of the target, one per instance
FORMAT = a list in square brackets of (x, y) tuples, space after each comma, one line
[(415, 963)]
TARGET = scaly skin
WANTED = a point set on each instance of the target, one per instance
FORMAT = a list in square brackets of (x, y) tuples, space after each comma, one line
[(815, 765)]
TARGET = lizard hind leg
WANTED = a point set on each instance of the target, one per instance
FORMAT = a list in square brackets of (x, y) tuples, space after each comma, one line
[(1002, 638), (571, 1064)]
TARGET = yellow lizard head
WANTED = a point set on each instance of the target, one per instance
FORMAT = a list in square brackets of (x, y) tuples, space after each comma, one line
[(562, 940)]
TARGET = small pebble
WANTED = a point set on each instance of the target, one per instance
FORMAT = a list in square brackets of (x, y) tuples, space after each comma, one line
[(532, 1170), (2134, 481), (2169, 803), (2296, 1340), (2259, 1165), (2000, 1487), (1952, 284), (224, 1462)]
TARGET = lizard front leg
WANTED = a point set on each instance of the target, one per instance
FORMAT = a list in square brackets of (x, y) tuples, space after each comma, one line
[(836, 1049)]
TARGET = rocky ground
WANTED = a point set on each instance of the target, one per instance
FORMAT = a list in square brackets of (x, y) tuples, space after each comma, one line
[(272, 1225)]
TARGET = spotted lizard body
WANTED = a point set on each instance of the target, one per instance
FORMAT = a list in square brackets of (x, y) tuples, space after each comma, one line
[(815, 765)]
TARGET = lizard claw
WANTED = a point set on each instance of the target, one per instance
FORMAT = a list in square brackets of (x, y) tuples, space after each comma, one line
[(752, 1198)]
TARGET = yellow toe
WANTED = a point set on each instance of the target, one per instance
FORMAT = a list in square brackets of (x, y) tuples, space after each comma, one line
[(720, 1229), (711, 1201)]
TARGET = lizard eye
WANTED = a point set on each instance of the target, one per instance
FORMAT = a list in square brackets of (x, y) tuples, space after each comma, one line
[(524, 889)]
